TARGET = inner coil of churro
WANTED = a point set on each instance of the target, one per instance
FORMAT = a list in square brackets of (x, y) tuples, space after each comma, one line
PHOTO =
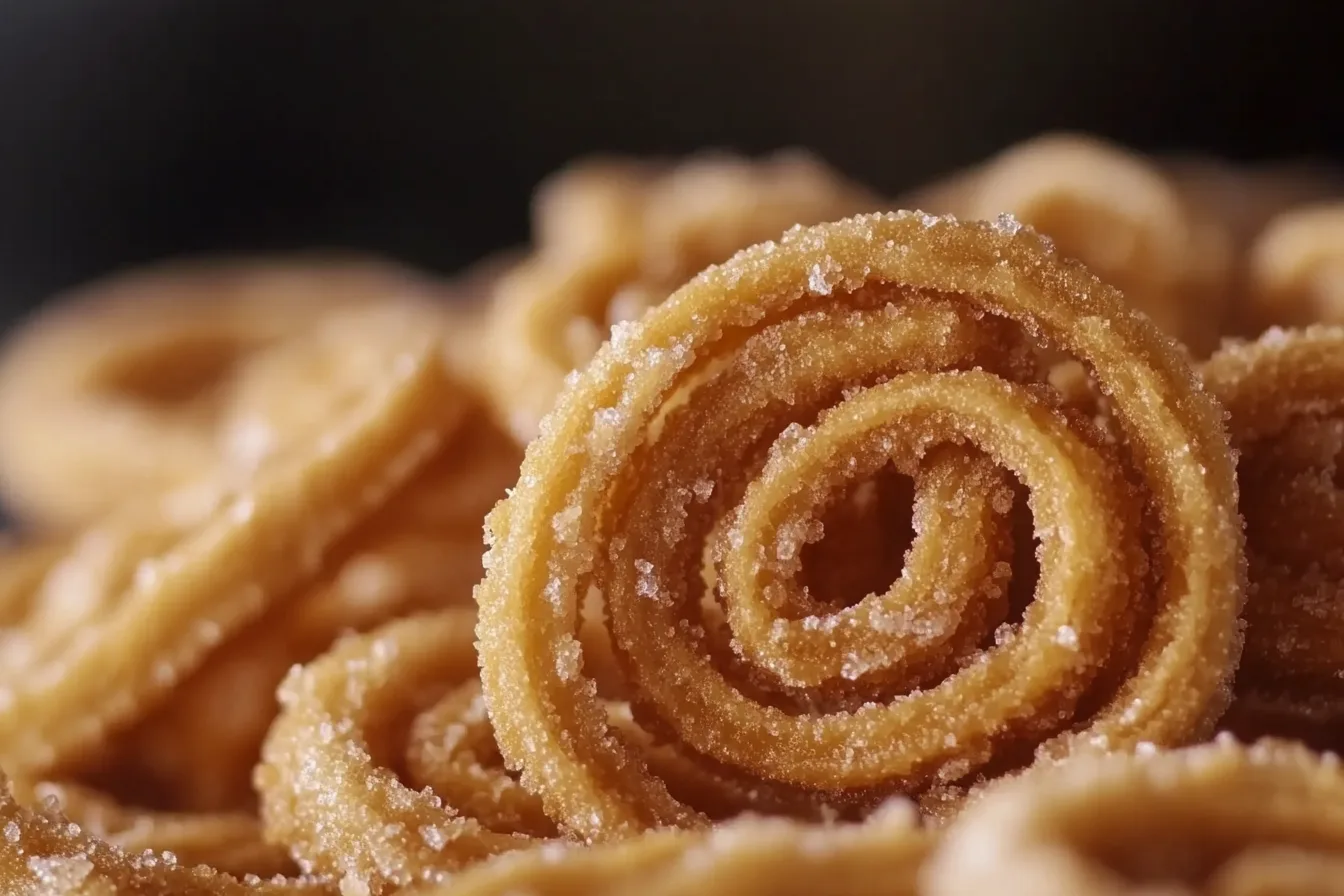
[(731, 537)]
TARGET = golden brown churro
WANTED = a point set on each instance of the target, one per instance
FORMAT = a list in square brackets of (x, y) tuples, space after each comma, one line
[(1285, 397), (628, 490), (1119, 214), (616, 237), (116, 390), (175, 586), (334, 798)]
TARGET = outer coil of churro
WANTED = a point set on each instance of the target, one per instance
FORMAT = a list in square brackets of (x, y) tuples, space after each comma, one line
[(616, 237), (1220, 819), (1119, 214), (116, 390), (1285, 399), (721, 426)]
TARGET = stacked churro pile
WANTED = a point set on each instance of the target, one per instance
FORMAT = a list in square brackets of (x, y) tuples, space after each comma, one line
[(901, 554)]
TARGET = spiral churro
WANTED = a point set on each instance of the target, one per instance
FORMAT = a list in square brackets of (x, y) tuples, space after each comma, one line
[(618, 494), (615, 238), (176, 587), (116, 390), (1285, 398), (1119, 214), (335, 798), (898, 555)]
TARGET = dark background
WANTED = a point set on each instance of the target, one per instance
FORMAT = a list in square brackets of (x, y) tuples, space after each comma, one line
[(136, 129)]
